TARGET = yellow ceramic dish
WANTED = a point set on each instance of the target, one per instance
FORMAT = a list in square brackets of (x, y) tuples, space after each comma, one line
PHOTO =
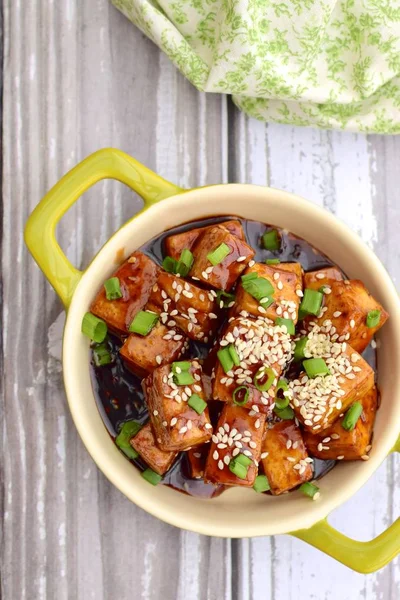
[(237, 512)]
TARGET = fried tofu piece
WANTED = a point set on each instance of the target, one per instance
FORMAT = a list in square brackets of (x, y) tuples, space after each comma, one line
[(245, 334), (197, 460), (174, 244), (318, 402), (177, 426), (184, 305), (144, 442), (292, 267), (336, 443), (347, 307), (136, 275), (287, 284), (239, 432), (314, 280), (143, 354), (222, 276), (284, 457)]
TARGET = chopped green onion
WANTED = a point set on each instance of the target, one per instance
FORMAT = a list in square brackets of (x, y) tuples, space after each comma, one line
[(241, 395), (282, 403), (151, 476), (352, 415), (311, 302), (94, 328), (101, 355), (272, 261), (309, 489), (170, 264), (316, 367), (225, 297), (184, 378), (113, 289), (234, 355), (237, 469), (127, 432), (244, 460), (185, 262), (373, 318), (197, 403), (270, 240), (300, 348), (322, 289), (217, 256), (143, 322), (225, 359), (179, 366), (249, 276), (258, 288), (264, 378), (261, 484), (288, 323), (286, 414)]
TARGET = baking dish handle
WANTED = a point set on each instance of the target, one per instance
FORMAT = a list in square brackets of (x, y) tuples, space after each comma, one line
[(108, 163), (364, 557)]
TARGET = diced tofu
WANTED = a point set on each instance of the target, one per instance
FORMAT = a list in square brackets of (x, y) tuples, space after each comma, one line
[(136, 275), (222, 276), (338, 444), (284, 457), (197, 460), (257, 346), (238, 432), (174, 244), (347, 307), (314, 280), (184, 305), (144, 442), (143, 354), (292, 267), (319, 402), (287, 285), (177, 426)]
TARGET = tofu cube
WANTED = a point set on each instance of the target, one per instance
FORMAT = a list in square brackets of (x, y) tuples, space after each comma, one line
[(292, 267), (336, 443), (287, 284), (174, 244), (284, 457), (136, 275), (145, 443), (314, 280), (177, 426), (347, 307), (197, 460), (222, 276), (319, 402), (143, 354), (238, 432), (184, 305)]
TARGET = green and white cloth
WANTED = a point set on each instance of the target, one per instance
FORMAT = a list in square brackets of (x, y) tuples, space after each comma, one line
[(330, 64)]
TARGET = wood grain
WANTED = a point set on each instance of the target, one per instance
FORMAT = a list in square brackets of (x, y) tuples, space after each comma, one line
[(77, 77)]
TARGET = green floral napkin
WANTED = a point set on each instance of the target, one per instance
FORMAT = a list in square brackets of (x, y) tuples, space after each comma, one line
[(330, 64)]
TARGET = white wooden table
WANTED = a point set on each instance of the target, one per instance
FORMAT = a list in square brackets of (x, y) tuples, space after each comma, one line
[(78, 77)]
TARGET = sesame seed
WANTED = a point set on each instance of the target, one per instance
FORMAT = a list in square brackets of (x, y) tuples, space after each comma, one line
[(235, 451), (289, 444), (159, 359), (132, 259), (365, 457), (299, 293), (290, 459), (276, 276), (264, 455), (220, 465), (320, 275), (341, 457), (204, 275), (208, 426), (240, 259), (155, 412), (316, 495), (335, 436), (215, 455), (183, 429), (227, 459), (373, 344), (280, 285)]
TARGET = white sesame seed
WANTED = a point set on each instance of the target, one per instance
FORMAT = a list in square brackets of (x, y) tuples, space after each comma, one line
[(235, 451), (215, 455), (299, 293), (155, 412), (365, 457), (208, 426), (159, 359), (316, 495), (264, 455), (337, 313), (320, 275), (240, 259), (220, 465), (341, 457), (289, 444), (227, 459), (373, 344)]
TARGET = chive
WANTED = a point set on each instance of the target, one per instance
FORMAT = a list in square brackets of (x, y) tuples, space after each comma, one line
[(316, 367), (272, 261), (217, 256), (94, 328), (237, 469), (197, 403), (249, 276), (288, 323), (183, 365), (270, 240), (264, 378), (352, 415), (151, 476), (128, 430), (258, 288), (261, 484), (239, 393), (143, 322), (300, 348), (244, 460), (311, 302), (225, 359), (309, 489), (282, 403), (113, 289), (225, 297), (234, 355), (101, 355), (169, 264), (286, 414), (184, 378), (373, 318), (185, 262)]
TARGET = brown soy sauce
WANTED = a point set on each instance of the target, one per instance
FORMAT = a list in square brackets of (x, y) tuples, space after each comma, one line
[(119, 393)]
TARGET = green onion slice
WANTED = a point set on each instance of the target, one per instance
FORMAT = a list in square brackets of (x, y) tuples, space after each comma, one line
[(128, 430), (184, 378), (272, 261), (309, 489), (238, 469), (234, 355), (316, 367), (94, 328), (185, 262), (267, 302), (217, 256), (179, 366), (300, 348), (241, 395), (169, 264), (151, 476), (373, 318), (258, 288), (282, 402), (102, 355), (143, 322), (264, 378), (270, 240), (113, 289), (311, 303), (352, 415), (288, 323), (286, 414), (261, 484), (225, 359), (244, 460), (225, 297), (249, 276), (197, 403)]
